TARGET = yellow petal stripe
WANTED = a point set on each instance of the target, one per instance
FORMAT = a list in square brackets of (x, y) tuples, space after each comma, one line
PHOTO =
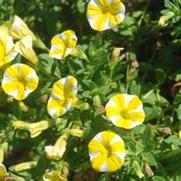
[(19, 81), (63, 44), (63, 96), (107, 152), (125, 111), (7, 51), (25, 48), (19, 29), (105, 14)]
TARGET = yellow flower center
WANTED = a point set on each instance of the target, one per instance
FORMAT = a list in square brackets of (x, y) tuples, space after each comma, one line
[(105, 10), (2, 50), (124, 114), (108, 150), (23, 81)]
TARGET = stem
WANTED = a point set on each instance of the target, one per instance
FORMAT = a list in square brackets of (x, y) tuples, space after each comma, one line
[(133, 140), (148, 93), (127, 78)]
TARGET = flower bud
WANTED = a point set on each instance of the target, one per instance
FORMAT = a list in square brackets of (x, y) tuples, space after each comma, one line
[(3, 151), (116, 54), (23, 106), (37, 128), (19, 125), (165, 130), (76, 132), (163, 21), (24, 166), (56, 151), (148, 170), (76, 129), (179, 133), (25, 48), (137, 169), (97, 100)]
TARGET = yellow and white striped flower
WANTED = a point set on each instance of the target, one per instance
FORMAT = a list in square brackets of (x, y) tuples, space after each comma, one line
[(25, 48), (63, 44), (3, 172), (7, 52), (107, 152), (63, 96), (105, 14), (125, 111), (19, 81), (19, 29)]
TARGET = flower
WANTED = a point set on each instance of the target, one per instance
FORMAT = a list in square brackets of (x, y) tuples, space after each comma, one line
[(63, 96), (19, 80), (3, 172), (3, 151), (56, 151), (19, 29), (125, 111), (35, 129), (105, 14), (63, 44), (25, 48), (60, 174), (7, 52), (107, 152)]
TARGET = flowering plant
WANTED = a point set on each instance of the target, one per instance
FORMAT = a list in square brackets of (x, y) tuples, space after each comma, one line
[(90, 90)]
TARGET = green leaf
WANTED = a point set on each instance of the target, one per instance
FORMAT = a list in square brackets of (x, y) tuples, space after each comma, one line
[(179, 112), (149, 157), (160, 76), (158, 178)]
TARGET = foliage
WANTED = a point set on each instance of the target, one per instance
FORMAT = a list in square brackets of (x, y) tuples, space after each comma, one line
[(148, 66)]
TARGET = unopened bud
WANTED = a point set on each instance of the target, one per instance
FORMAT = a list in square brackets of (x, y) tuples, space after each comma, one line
[(37, 128), (165, 130), (148, 170), (179, 133), (137, 169), (76, 132), (23, 106), (116, 54), (56, 151), (24, 166), (3, 151)]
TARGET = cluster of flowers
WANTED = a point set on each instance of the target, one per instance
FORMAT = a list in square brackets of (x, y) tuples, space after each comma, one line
[(106, 150)]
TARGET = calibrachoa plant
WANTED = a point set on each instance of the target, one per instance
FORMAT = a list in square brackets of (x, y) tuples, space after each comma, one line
[(78, 101)]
